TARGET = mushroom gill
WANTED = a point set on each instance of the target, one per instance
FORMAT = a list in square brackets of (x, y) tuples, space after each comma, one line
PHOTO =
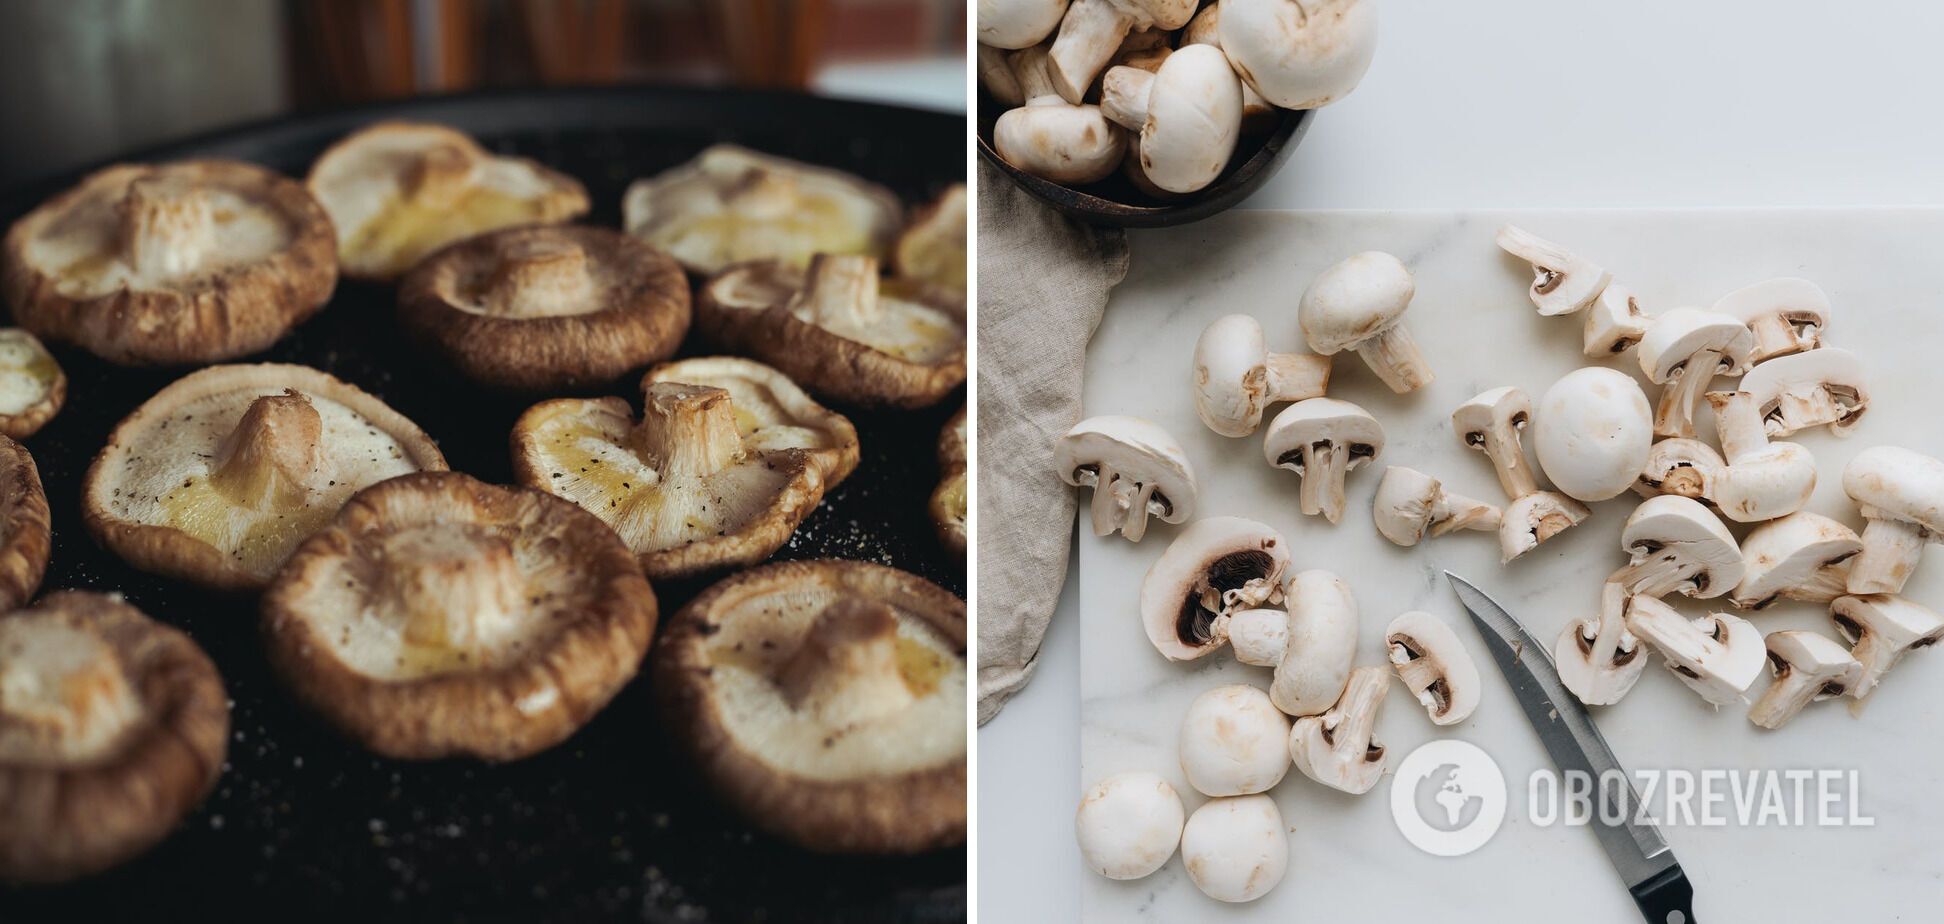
[(1237, 575)]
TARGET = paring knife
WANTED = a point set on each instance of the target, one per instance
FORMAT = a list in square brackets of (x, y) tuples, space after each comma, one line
[(1636, 849)]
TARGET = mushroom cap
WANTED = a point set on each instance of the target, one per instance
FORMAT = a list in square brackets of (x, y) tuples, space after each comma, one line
[(1697, 547), (218, 477), (32, 385), (1718, 655), (547, 307), (1535, 518), (1354, 301), (1781, 556), (1679, 333), (1259, 637), (1139, 450), (24, 531), (1503, 407), (1231, 375), (931, 248), (1047, 138), (1815, 659), (1214, 568), (188, 262), (398, 191), (1322, 646), (1234, 741), (1598, 659), (1592, 432), (1891, 482), (438, 616), (1193, 114), (1128, 825), (948, 500), (1614, 323), (1562, 282), (1236, 849), (894, 343), (1434, 666), (112, 728), (1679, 466), (1881, 629), (1797, 307), (1314, 420), (732, 205), (1018, 23), (1297, 56), (825, 700), (1837, 372)]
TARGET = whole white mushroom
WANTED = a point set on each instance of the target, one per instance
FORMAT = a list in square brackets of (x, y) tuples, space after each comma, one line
[(1128, 825)]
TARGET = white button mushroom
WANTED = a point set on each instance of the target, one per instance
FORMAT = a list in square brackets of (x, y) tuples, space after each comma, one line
[(1135, 469), (1490, 423), (1259, 637), (1762, 480), (1561, 282), (996, 75), (1901, 494), (1616, 323), (1237, 378), (1236, 849), (1786, 315), (1359, 304), (1315, 660), (1337, 748), (1592, 433), (1092, 31), (1410, 504), (1128, 825), (1050, 137), (1434, 665), (1322, 440), (1187, 113), (1677, 545), (1685, 348), (1679, 466), (1300, 55), (1215, 568), (1598, 659), (1803, 556), (1018, 23), (1718, 655), (1234, 742), (1809, 667), (1881, 629), (1205, 29), (1805, 390)]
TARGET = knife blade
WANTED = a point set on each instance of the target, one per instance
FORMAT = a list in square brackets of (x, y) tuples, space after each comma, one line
[(1635, 847)]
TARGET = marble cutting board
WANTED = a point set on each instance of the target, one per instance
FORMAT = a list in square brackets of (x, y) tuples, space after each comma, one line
[(1347, 859)]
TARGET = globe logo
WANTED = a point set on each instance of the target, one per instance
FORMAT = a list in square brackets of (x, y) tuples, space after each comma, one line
[(1448, 797)]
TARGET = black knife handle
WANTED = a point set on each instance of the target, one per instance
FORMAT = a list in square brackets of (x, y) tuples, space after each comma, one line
[(1666, 898)]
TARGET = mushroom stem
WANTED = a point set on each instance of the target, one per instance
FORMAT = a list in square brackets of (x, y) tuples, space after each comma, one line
[(687, 430), (1675, 414), (1738, 422), (1296, 376), (457, 587), (1124, 96), (1509, 462), (1891, 550), (1776, 334), (1089, 34), (1395, 357), (1806, 402), (846, 670), (1352, 722), (1657, 575), (1120, 503), (166, 226), (273, 455), (440, 176), (1611, 636), (1324, 466), (838, 288), (1452, 512), (538, 278)]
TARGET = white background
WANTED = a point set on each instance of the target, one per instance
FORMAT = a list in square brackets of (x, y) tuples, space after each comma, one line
[(1535, 103)]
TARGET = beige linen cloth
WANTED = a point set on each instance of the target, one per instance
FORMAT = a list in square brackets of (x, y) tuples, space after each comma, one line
[(1043, 283)]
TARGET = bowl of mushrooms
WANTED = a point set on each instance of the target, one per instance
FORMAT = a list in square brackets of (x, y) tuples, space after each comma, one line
[(1146, 113)]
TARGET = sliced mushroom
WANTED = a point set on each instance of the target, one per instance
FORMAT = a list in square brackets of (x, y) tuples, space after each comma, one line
[(1187, 114), (32, 385), (1017, 24), (1787, 315), (398, 191), (826, 700), (1205, 29), (25, 538), (1237, 378), (1434, 665), (839, 330), (1901, 494), (1409, 504), (1093, 29), (112, 728), (1050, 137), (1599, 659), (1804, 390), (190, 262), (438, 616), (1802, 556), (716, 473), (1128, 825), (1359, 305), (1683, 351), (1562, 283), (1881, 629), (1135, 468), (1809, 667), (1718, 655), (1300, 56), (948, 500), (1592, 433), (1683, 467), (1321, 646), (1322, 440), (1214, 568), (1490, 423), (1762, 480), (1234, 742), (1337, 748), (931, 248), (1236, 849), (217, 478), (1616, 323), (1676, 545)]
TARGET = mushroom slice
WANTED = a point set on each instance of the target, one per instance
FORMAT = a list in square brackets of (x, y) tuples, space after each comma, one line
[(1195, 83), (1682, 467), (1234, 742), (733, 205), (1561, 282), (1215, 568), (1359, 305), (931, 248), (1135, 468), (1434, 665), (1491, 423), (1593, 433), (1322, 440), (1802, 556), (217, 478), (24, 532), (1683, 351), (1901, 494), (826, 700), (840, 332), (1093, 30), (1409, 504), (1677, 545), (1598, 659), (1881, 629), (1128, 825), (1535, 518), (1717, 655), (1300, 55), (547, 307), (1236, 849), (440, 616), (1787, 315), (1762, 480), (1804, 390), (948, 500), (1809, 667), (1321, 644), (687, 487), (1337, 748), (189, 262), (112, 728), (1616, 323), (1237, 378), (32, 385), (398, 191), (773, 415)]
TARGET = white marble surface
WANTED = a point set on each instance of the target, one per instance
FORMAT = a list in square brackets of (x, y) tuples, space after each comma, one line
[(1477, 327)]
